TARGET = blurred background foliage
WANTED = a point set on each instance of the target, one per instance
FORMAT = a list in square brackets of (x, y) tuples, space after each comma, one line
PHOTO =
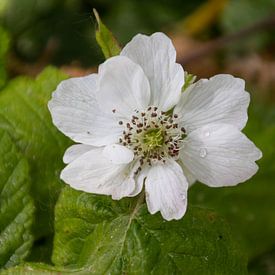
[(62, 32), (211, 36), (214, 36)]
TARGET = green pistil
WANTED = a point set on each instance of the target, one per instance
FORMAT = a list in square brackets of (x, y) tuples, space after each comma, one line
[(153, 139)]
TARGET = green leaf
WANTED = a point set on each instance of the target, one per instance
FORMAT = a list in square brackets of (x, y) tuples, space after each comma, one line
[(41, 250), (40, 269), (4, 45), (249, 207), (121, 237), (106, 39), (16, 204), (25, 116), (188, 80)]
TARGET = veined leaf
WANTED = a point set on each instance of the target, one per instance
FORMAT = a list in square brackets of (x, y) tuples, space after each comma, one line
[(16, 204), (25, 116), (41, 269), (121, 237)]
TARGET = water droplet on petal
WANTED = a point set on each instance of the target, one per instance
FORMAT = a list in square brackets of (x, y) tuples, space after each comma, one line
[(182, 196), (203, 152), (207, 133)]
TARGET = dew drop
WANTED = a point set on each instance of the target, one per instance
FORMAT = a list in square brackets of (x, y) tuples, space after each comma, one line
[(203, 152), (182, 196), (207, 133)]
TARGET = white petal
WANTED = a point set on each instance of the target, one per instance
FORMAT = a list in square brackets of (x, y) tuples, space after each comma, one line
[(76, 113), (118, 154), (76, 151), (189, 176), (127, 182), (140, 180), (157, 57), (220, 155), (221, 99), (93, 173), (166, 190), (139, 184), (123, 86)]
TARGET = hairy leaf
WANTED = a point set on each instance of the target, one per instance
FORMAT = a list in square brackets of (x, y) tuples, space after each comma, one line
[(110, 237), (16, 204)]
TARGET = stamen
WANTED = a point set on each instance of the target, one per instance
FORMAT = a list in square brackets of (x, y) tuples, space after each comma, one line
[(153, 135)]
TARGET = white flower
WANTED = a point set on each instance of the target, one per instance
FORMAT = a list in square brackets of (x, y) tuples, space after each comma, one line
[(136, 127)]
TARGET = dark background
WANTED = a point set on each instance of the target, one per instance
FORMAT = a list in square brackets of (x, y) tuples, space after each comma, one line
[(210, 36)]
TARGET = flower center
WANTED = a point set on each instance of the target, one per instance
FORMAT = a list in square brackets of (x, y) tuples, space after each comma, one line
[(153, 135), (153, 138)]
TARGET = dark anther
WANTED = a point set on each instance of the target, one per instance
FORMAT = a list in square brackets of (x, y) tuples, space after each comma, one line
[(120, 122)]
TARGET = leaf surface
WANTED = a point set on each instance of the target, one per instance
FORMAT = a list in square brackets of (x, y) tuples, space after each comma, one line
[(109, 237), (25, 116), (16, 204), (106, 39)]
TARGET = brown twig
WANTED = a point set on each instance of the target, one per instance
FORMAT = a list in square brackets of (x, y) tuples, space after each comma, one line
[(216, 44)]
